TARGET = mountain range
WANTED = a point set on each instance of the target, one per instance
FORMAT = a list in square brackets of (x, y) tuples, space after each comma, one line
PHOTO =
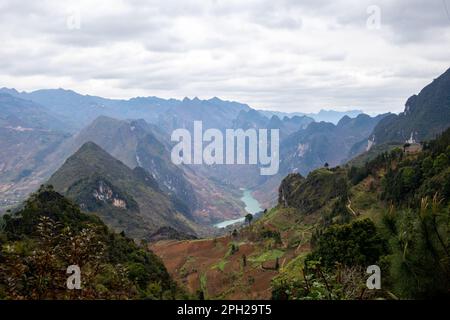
[(330, 225), (349, 193), (47, 134), (323, 115), (127, 200)]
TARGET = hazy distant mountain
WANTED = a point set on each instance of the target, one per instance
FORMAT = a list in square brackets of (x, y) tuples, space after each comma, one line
[(28, 135), (77, 110), (125, 199), (207, 191), (255, 119), (323, 142), (249, 176), (319, 143), (425, 115), (214, 113), (323, 115), (16, 112)]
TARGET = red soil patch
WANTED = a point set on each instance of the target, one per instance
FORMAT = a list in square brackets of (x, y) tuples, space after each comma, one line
[(197, 265)]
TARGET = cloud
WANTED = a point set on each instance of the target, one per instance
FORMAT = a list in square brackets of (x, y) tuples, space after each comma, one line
[(288, 55)]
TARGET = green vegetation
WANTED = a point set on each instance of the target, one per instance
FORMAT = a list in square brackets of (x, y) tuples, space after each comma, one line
[(317, 283), (204, 284), (124, 199), (375, 151), (409, 240), (310, 194), (221, 265), (354, 244), (420, 242), (50, 233), (269, 255), (270, 234)]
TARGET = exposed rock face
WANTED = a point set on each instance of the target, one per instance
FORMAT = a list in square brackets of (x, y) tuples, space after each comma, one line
[(302, 149), (287, 187), (370, 143), (119, 203), (105, 193)]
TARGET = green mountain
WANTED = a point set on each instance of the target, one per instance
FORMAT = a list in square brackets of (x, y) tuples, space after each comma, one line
[(329, 227), (393, 212), (126, 200), (50, 233), (137, 144), (313, 192), (426, 115), (312, 147)]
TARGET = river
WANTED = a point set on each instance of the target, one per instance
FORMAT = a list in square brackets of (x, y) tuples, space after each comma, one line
[(252, 206)]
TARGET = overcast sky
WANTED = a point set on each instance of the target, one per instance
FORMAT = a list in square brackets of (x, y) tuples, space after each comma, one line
[(287, 55)]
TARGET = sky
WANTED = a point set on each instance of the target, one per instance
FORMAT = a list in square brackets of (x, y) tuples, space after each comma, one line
[(285, 55)]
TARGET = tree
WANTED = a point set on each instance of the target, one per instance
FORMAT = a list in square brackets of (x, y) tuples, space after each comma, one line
[(200, 295), (420, 244), (357, 243), (318, 283), (326, 165), (50, 233), (440, 162), (249, 218), (427, 166)]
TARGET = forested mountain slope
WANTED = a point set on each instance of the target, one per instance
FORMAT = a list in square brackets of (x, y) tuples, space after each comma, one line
[(328, 227), (126, 199), (50, 233)]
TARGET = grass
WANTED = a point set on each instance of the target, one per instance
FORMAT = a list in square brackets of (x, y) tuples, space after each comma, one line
[(204, 284), (220, 265), (267, 256), (293, 270), (233, 248), (366, 203), (187, 266)]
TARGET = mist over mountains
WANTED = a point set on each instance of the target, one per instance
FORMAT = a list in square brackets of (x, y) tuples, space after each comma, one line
[(44, 132), (107, 163), (323, 115)]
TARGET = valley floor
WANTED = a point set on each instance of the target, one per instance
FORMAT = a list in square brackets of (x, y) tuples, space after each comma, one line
[(240, 265)]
